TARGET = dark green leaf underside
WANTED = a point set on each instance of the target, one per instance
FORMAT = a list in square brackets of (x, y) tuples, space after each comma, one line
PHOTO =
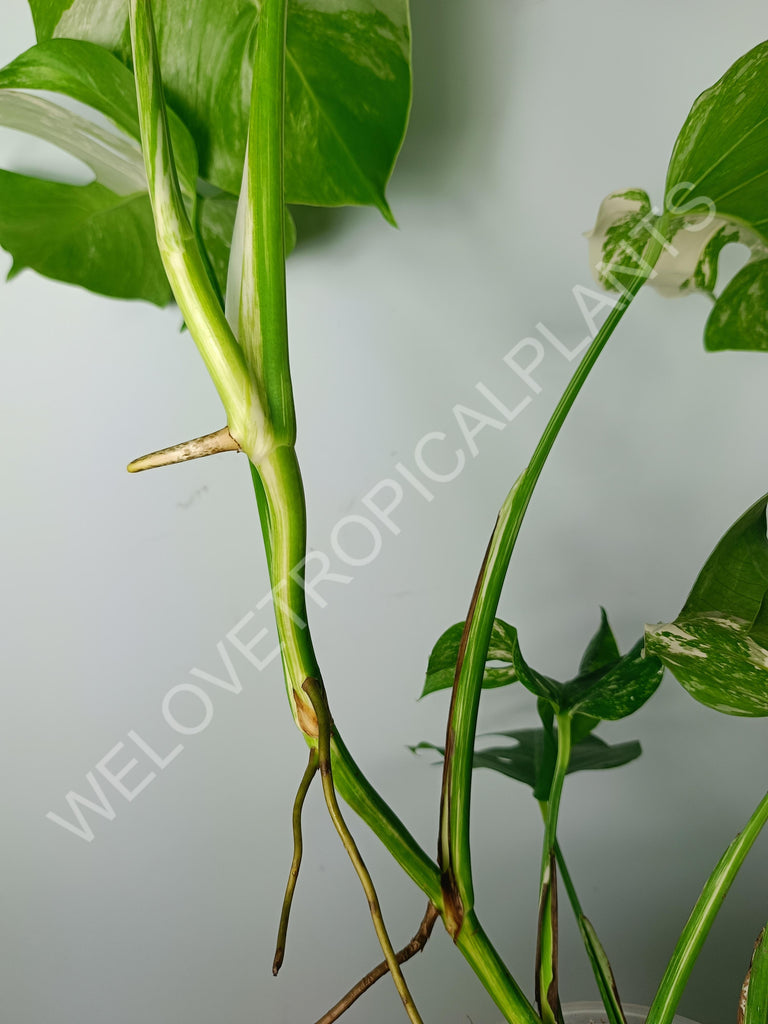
[(530, 758)]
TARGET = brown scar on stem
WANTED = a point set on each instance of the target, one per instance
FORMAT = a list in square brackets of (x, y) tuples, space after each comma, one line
[(745, 987), (306, 719), (210, 444), (552, 995)]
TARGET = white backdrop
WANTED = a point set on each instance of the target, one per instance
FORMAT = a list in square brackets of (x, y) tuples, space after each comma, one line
[(526, 113)]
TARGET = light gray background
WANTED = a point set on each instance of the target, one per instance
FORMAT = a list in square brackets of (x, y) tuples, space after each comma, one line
[(527, 112)]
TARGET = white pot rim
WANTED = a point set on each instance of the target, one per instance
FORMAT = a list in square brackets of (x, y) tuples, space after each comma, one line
[(594, 1013)]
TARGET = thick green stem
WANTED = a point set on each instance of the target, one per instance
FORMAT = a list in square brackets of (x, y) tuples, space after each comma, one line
[(702, 916), (182, 258), (282, 507), (263, 321), (493, 973), (454, 841)]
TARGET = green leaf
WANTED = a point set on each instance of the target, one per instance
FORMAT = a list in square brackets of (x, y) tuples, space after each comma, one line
[(100, 236), (92, 236), (603, 972), (619, 691), (717, 647), (589, 754), (442, 661), (734, 579), (716, 661), (348, 84), (616, 687), (115, 160), (530, 759), (720, 164), (104, 21), (348, 97), (87, 73), (721, 153), (755, 994), (540, 685), (716, 195), (602, 650), (739, 319)]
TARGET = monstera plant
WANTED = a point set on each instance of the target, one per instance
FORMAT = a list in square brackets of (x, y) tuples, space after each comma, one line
[(205, 125)]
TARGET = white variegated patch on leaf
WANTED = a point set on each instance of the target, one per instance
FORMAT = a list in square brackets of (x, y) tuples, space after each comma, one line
[(717, 662), (717, 647), (690, 260)]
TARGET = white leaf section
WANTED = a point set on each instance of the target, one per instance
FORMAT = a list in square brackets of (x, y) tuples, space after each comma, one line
[(689, 263), (114, 158)]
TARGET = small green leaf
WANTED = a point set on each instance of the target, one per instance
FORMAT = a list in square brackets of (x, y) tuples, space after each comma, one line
[(593, 754), (530, 758), (619, 691), (738, 320), (441, 667), (540, 685), (602, 650), (521, 761), (92, 236), (755, 992), (717, 647), (615, 690)]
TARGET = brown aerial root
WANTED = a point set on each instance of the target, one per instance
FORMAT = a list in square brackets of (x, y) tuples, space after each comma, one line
[(211, 444)]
